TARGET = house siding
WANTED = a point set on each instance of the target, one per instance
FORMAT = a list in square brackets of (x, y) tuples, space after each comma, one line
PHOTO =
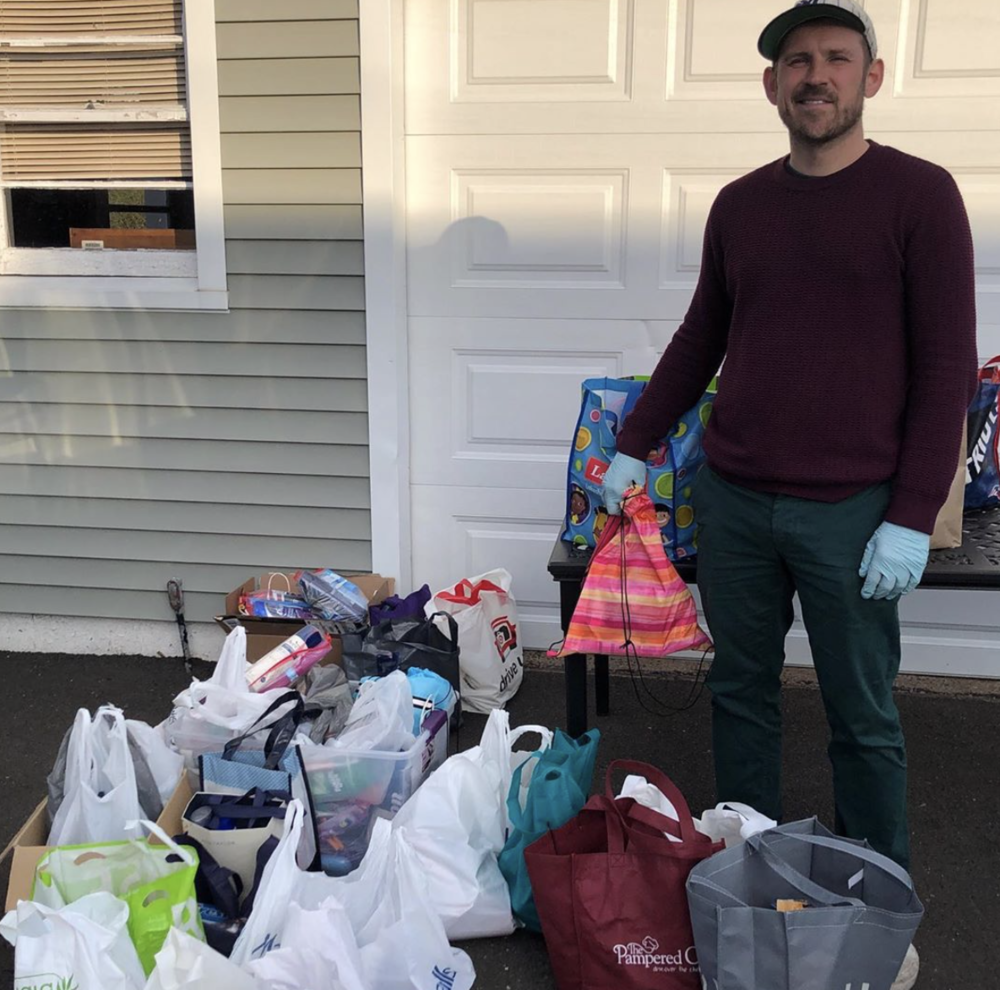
[(140, 446)]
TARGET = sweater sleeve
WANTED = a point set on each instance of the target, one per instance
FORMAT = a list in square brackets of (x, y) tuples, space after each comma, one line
[(941, 335), (692, 357)]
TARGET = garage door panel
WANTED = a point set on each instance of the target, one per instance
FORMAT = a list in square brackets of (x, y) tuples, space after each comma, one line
[(578, 227), (687, 197), (556, 202), (465, 531), (947, 55), (495, 402), (709, 64), (503, 51), (539, 228), (981, 192)]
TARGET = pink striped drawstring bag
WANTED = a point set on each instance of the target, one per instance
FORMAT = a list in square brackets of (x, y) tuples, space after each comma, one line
[(633, 602)]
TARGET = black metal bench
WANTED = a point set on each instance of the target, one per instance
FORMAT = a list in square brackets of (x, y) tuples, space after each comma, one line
[(973, 565)]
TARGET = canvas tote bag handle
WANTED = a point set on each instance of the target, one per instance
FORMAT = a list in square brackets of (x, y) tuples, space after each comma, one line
[(858, 852), (762, 845), (669, 790)]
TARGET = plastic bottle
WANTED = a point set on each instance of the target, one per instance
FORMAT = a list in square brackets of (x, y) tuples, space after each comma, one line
[(289, 660)]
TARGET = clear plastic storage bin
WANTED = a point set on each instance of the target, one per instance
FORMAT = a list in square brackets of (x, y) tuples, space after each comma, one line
[(351, 788)]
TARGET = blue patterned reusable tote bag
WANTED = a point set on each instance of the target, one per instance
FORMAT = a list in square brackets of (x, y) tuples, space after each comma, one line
[(671, 465), (982, 488)]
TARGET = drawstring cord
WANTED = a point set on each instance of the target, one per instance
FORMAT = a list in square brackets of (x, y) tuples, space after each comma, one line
[(632, 655)]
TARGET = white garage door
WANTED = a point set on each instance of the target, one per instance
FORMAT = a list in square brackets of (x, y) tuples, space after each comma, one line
[(561, 157)]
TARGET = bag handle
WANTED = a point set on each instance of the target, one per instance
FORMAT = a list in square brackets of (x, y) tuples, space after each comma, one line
[(467, 593), (832, 842), (229, 807), (650, 816), (761, 845), (155, 829), (990, 372), (524, 730), (224, 885), (278, 574), (669, 790), (514, 812), (281, 732), (383, 632)]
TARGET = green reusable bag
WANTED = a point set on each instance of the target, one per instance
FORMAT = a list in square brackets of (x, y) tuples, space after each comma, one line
[(156, 881), (560, 782)]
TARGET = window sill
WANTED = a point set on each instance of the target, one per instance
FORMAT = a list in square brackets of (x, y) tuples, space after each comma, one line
[(140, 294)]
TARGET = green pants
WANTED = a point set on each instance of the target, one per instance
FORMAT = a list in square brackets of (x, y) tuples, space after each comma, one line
[(755, 551)]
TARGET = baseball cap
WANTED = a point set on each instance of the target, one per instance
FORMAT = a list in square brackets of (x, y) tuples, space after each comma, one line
[(846, 11)]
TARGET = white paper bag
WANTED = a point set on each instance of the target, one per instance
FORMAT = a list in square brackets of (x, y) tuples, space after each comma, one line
[(84, 945), (100, 793), (491, 656)]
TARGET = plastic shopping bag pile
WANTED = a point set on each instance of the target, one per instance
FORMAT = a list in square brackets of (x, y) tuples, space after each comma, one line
[(320, 836)]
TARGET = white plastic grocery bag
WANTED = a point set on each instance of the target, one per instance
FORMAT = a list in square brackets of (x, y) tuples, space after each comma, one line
[(209, 713), (456, 825), (83, 946), (282, 883), (100, 793), (490, 654), (733, 822), (452, 824), (184, 963), (318, 951), (399, 937), (164, 764), (155, 880), (729, 821)]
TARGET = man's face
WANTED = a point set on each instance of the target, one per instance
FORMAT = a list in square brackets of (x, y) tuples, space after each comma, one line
[(820, 82)]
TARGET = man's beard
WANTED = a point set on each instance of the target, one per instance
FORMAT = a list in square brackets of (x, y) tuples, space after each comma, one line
[(843, 119)]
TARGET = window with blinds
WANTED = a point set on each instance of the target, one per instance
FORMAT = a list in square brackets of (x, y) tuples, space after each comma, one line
[(95, 143)]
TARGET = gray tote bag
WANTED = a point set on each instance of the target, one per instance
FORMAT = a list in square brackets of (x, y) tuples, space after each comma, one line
[(854, 935)]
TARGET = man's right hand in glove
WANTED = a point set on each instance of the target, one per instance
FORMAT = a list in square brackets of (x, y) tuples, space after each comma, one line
[(623, 472)]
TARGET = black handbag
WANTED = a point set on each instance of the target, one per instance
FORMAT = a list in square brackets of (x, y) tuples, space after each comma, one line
[(398, 644)]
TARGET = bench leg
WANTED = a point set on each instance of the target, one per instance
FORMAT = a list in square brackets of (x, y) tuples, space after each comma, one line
[(602, 685), (575, 666)]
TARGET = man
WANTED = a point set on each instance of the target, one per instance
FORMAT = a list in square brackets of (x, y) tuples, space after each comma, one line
[(838, 285)]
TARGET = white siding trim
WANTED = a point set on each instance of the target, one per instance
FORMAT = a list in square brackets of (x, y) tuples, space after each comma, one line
[(100, 292), (206, 144), (383, 199), (106, 261), (88, 637)]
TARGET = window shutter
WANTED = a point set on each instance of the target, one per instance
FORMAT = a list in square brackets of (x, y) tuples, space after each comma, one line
[(67, 57), (85, 79), (53, 18), (60, 152)]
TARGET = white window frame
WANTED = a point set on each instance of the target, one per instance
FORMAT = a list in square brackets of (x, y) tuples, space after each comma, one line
[(70, 278)]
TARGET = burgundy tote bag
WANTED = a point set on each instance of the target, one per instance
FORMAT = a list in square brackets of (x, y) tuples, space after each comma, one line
[(609, 888)]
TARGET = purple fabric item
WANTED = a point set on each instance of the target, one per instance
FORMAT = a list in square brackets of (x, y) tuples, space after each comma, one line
[(394, 607)]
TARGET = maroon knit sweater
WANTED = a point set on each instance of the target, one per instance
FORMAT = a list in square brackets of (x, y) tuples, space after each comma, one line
[(844, 307)]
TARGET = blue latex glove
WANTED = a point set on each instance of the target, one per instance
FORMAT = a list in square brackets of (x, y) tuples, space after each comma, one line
[(894, 561), (623, 472)]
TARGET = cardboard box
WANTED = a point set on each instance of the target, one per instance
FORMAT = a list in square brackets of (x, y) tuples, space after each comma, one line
[(263, 635), (28, 846)]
